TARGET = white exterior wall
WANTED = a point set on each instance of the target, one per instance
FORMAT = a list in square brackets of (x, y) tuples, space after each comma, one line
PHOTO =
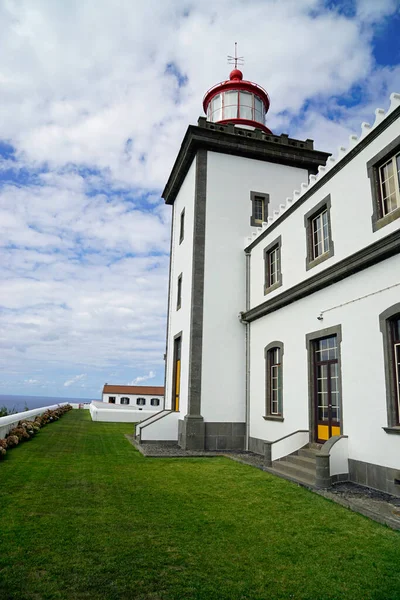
[(133, 398), (351, 225), (230, 179), (363, 378), (181, 262), (113, 413)]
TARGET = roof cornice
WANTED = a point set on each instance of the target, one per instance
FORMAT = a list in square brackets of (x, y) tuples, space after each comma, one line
[(229, 139)]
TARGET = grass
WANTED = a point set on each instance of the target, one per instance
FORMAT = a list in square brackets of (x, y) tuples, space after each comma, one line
[(84, 516)]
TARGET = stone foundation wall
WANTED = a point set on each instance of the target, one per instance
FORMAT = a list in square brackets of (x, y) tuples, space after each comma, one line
[(375, 476)]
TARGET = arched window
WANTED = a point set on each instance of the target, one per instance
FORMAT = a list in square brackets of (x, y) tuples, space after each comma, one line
[(273, 354), (155, 402), (124, 400), (141, 401), (390, 327)]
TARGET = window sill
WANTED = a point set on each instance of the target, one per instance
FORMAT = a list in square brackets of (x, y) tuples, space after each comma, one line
[(320, 259), (272, 288), (274, 418), (391, 430), (382, 221)]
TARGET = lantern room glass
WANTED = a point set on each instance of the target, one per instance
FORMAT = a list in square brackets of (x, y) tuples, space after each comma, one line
[(236, 105)]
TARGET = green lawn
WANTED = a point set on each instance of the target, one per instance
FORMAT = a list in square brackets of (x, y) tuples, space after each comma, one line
[(85, 516)]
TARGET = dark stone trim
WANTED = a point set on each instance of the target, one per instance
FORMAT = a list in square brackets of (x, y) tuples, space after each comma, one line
[(229, 139), (323, 205), (331, 173), (310, 339), (191, 432), (168, 307), (176, 336), (179, 291), (373, 165), (392, 430), (265, 198), (375, 476), (277, 243), (225, 436), (196, 316), (182, 226), (390, 377), (360, 260), (267, 349), (273, 418)]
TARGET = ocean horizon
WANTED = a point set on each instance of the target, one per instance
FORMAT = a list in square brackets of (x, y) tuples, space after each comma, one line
[(19, 403)]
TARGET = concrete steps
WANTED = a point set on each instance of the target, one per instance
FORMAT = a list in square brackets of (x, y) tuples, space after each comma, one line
[(299, 466)]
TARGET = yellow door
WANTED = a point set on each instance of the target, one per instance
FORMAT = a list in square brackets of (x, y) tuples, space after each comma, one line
[(177, 373)]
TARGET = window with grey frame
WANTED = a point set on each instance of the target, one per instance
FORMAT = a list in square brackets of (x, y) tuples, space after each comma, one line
[(141, 401), (259, 212), (182, 226), (272, 266), (317, 222), (273, 355), (179, 293), (124, 400), (390, 328), (384, 174), (155, 402)]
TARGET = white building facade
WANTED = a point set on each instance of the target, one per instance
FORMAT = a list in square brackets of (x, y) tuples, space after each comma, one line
[(142, 397), (292, 337)]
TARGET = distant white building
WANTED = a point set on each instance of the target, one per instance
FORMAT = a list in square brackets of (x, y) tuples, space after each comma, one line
[(283, 333), (142, 397)]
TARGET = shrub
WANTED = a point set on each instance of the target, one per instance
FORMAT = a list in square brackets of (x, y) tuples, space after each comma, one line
[(27, 429), (12, 440)]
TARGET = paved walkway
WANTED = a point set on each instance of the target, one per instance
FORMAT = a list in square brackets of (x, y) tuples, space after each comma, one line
[(371, 503)]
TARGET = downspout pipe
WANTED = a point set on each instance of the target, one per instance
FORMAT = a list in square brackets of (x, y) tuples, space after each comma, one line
[(247, 351)]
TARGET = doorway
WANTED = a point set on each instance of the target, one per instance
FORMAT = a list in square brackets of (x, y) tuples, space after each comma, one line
[(326, 388), (176, 373)]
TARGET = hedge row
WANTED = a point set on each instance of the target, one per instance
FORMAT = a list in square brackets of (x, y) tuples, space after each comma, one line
[(25, 430)]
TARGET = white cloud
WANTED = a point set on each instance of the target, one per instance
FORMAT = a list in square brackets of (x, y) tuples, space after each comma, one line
[(96, 121), (142, 378), (74, 380)]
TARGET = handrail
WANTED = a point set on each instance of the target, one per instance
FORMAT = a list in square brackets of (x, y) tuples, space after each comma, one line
[(159, 416), (328, 445), (268, 445), (288, 436)]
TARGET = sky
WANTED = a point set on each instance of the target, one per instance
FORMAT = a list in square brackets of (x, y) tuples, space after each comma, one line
[(95, 98)]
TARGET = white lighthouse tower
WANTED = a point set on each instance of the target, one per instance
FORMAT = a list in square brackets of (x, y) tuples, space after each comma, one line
[(231, 172)]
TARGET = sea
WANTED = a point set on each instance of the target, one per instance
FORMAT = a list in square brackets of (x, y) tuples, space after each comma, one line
[(21, 403)]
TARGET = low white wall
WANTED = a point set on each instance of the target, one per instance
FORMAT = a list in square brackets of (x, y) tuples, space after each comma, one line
[(112, 413), (7, 423), (289, 444), (165, 428), (339, 457)]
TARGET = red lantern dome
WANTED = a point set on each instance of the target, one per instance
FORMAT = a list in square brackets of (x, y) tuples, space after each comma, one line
[(237, 101)]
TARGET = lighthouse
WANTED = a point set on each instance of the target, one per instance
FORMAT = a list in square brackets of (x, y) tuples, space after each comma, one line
[(230, 175), (237, 101)]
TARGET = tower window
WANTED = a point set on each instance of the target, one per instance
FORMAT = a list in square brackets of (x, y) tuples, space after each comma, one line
[(273, 354), (389, 322), (259, 208), (389, 176), (384, 174), (182, 227), (179, 293), (318, 233), (272, 266)]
